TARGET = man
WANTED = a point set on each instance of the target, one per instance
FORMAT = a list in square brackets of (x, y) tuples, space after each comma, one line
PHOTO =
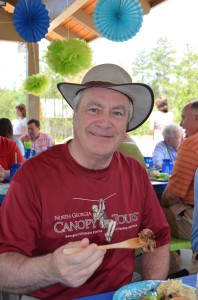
[(178, 197), (173, 136), (40, 141), (82, 194)]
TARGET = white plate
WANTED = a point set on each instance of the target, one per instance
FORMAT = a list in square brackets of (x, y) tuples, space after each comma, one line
[(137, 289)]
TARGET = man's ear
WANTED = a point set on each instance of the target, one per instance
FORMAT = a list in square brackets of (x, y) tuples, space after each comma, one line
[(196, 117)]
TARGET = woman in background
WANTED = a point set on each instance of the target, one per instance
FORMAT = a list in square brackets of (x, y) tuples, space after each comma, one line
[(159, 119), (6, 130), (19, 126)]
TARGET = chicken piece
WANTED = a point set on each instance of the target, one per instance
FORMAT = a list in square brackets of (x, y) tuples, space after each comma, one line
[(147, 236)]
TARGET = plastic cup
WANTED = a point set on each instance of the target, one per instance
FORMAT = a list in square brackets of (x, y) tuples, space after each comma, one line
[(167, 166), (14, 168), (149, 162)]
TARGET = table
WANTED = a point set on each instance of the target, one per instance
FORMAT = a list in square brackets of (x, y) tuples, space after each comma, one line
[(159, 187), (3, 190), (189, 280)]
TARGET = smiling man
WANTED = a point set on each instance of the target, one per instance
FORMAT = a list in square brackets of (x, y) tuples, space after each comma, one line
[(82, 194), (178, 197)]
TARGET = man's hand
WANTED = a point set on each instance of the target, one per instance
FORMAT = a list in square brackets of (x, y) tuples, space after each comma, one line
[(21, 274), (169, 199), (4, 174), (75, 269)]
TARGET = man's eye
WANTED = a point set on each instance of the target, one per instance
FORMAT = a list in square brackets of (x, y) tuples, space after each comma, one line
[(118, 113), (93, 109)]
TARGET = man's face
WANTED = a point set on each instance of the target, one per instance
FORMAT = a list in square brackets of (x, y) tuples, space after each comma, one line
[(100, 121), (176, 140), (33, 131), (189, 121)]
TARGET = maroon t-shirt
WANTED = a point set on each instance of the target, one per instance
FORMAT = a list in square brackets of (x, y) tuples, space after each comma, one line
[(53, 201)]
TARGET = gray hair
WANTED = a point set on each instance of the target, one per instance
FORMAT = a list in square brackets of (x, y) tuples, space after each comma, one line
[(168, 130), (77, 99)]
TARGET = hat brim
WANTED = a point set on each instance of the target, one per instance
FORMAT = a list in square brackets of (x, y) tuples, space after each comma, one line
[(140, 94)]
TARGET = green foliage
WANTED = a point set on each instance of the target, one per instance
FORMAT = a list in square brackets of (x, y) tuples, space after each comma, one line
[(170, 76), (9, 99), (69, 56), (36, 84)]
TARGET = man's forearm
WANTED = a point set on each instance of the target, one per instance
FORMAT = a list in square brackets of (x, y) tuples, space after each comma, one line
[(20, 274), (155, 265), (169, 199)]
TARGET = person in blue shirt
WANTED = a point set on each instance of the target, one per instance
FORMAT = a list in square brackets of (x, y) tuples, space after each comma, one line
[(173, 136), (194, 240)]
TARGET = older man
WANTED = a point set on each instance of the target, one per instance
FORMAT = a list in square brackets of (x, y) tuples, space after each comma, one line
[(40, 141), (178, 197), (82, 194), (173, 136)]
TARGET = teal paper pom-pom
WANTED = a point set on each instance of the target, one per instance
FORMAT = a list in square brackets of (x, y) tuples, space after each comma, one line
[(36, 84), (69, 56)]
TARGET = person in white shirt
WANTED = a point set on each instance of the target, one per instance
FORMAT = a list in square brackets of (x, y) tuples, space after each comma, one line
[(19, 126)]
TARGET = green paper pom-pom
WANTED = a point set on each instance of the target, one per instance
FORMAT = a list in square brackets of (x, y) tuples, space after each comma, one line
[(36, 84), (69, 56)]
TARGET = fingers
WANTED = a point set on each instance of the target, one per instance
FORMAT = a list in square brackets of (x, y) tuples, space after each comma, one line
[(76, 268)]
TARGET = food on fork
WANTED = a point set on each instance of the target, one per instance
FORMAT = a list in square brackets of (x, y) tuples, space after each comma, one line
[(147, 236)]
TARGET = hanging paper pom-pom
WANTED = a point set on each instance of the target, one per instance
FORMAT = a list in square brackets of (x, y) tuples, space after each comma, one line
[(36, 84), (69, 56), (31, 20), (118, 20)]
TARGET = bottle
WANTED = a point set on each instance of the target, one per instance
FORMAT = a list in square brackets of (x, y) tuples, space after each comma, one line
[(167, 166)]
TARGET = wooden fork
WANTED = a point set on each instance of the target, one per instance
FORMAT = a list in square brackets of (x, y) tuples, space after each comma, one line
[(128, 244)]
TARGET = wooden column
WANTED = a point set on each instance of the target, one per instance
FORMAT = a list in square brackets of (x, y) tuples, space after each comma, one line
[(32, 67)]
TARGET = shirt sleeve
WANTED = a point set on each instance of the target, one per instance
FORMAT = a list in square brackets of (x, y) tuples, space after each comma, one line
[(159, 154), (185, 165)]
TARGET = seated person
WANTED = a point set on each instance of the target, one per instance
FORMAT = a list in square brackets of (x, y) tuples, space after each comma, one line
[(40, 141), (82, 194), (178, 196), (132, 150), (128, 139), (173, 136), (8, 148), (6, 130)]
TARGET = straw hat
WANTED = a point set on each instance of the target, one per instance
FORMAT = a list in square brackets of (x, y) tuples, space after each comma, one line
[(113, 77)]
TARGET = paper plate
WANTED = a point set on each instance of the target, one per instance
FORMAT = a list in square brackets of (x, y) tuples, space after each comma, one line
[(138, 289)]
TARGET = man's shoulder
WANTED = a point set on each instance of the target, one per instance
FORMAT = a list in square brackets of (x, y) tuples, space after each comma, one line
[(191, 142)]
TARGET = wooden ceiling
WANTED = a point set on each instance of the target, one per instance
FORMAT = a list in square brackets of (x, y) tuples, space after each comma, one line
[(74, 20)]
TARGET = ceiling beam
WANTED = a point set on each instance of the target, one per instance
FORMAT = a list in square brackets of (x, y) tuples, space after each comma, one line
[(12, 2), (62, 32), (84, 19), (157, 2), (7, 29), (72, 8)]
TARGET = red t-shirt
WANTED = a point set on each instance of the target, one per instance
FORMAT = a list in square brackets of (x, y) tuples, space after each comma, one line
[(52, 198), (8, 148)]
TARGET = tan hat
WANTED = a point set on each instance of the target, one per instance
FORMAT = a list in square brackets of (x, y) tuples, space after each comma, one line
[(113, 77)]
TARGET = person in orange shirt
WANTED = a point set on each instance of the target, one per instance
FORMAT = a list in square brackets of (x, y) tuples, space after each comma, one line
[(178, 196)]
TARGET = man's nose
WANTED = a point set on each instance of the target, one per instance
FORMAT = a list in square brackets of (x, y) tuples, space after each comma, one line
[(105, 118)]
